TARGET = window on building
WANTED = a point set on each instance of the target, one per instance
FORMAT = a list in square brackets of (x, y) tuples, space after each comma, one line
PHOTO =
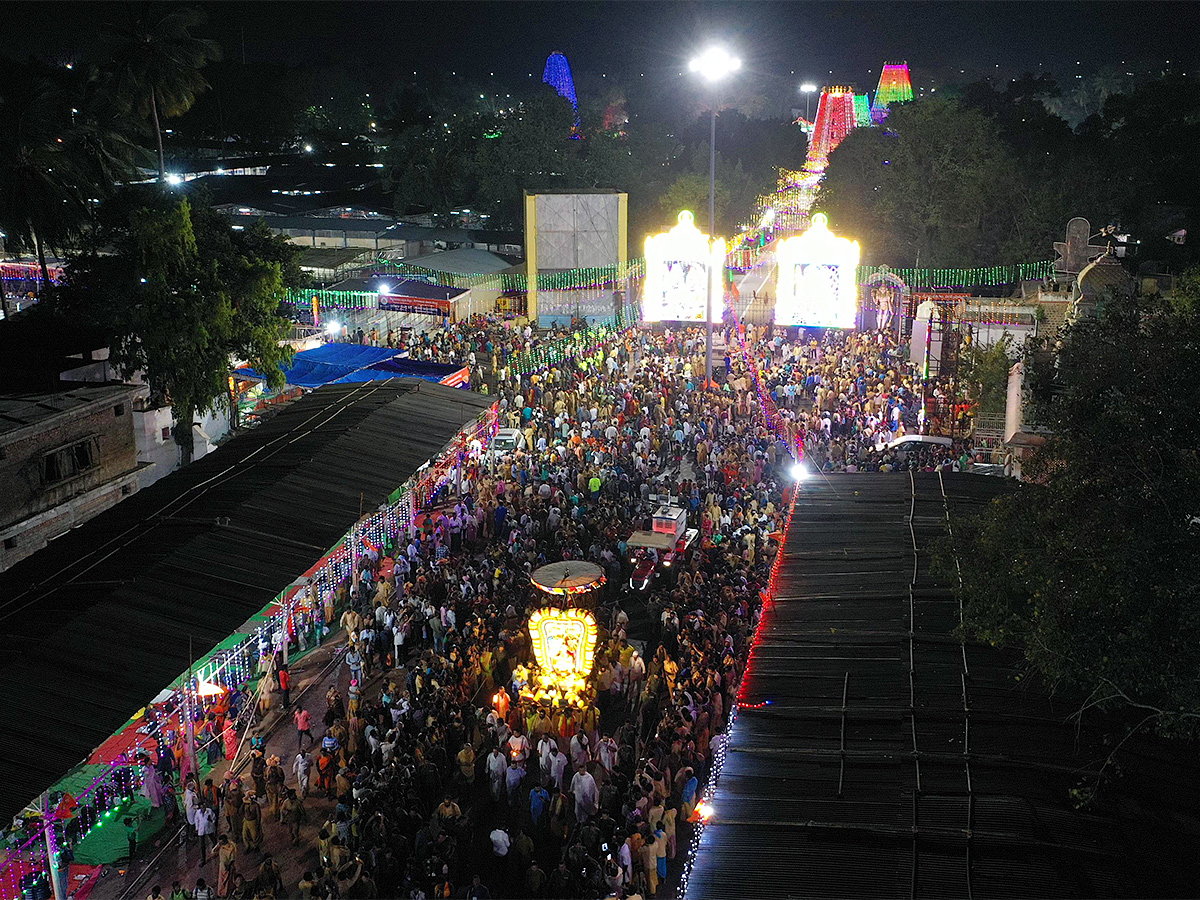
[(10, 543), (166, 433), (119, 410), (82, 456), (67, 462)]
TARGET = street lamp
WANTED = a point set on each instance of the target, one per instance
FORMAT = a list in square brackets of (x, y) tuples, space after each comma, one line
[(807, 89), (713, 65)]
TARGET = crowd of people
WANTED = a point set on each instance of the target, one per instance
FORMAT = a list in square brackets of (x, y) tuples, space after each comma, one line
[(851, 393), (444, 780)]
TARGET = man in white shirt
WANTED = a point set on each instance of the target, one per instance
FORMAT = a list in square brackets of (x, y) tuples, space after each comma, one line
[(558, 766), (301, 767), (580, 751), (545, 749), (518, 748), (583, 788), (497, 767), (606, 753), (206, 828), (500, 842)]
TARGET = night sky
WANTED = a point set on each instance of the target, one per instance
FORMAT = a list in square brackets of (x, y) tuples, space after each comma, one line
[(824, 42)]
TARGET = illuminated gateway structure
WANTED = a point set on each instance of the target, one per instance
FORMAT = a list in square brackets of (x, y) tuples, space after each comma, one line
[(840, 110)]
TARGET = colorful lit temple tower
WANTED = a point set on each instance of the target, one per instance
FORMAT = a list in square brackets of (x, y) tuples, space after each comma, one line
[(837, 113), (895, 86), (557, 74)]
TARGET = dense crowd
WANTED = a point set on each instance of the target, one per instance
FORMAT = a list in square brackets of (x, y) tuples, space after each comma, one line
[(484, 343), (445, 782), (851, 393)]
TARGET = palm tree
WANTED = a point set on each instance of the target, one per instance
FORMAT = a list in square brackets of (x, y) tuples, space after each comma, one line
[(106, 141), (1107, 82), (1082, 95), (156, 66), (1056, 105), (41, 201)]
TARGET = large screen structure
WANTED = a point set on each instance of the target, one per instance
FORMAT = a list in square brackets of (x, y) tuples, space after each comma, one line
[(817, 278), (677, 263), (573, 238)]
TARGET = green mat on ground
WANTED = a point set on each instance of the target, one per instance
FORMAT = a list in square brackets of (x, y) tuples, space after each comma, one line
[(106, 843)]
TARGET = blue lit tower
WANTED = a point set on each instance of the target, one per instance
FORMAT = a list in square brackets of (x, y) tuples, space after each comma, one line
[(557, 74)]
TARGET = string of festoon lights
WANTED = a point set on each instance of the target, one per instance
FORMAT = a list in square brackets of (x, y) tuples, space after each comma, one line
[(612, 276), (229, 668), (705, 809)]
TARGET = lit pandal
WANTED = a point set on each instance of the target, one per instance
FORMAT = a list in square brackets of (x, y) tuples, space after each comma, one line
[(563, 640), (817, 278), (678, 262), (564, 648)]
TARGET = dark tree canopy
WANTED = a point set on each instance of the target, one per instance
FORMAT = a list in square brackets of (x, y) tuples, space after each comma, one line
[(936, 187), (182, 295), (1090, 567)]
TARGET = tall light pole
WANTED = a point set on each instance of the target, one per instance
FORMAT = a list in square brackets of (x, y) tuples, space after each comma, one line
[(713, 65), (807, 90)]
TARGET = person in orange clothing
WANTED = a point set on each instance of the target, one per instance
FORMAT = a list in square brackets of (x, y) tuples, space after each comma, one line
[(501, 702)]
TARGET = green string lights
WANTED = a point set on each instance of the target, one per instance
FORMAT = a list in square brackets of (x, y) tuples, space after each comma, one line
[(986, 276), (505, 282), (577, 344), (592, 278)]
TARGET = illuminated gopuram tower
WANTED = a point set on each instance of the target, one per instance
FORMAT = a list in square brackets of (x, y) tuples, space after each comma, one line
[(894, 87), (557, 74), (837, 114)]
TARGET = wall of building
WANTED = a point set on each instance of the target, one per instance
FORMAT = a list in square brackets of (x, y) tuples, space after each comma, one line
[(325, 237), (21, 470), (157, 451), (55, 476), (30, 535)]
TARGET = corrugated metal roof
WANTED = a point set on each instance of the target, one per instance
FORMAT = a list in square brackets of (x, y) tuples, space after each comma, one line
[(18, 411), (388, 286), (861, 780), (464, 261), (93, 626)]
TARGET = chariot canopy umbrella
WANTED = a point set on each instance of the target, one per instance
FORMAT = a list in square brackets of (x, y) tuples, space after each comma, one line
[(568, 577)]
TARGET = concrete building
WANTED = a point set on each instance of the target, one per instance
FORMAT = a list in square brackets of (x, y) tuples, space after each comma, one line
[(64, 457), (153, 419)]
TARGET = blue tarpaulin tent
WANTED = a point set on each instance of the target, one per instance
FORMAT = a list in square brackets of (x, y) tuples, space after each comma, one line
[(443, 373), (331, 363)]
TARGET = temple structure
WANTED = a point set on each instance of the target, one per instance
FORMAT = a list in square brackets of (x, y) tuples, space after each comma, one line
[(895, 86)]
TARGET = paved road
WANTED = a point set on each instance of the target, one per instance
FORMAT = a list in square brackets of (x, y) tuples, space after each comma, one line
[(164, 859)]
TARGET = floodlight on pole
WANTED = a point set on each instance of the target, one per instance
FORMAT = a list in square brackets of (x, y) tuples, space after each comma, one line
[(713, 65), (807, 89)]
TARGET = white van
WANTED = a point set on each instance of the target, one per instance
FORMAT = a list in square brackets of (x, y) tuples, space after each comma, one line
[(912, 443), (508, 440)]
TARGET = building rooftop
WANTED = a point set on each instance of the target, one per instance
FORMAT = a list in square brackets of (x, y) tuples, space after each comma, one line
[(399, 287), (877, 755), (465, 261), (19, 411), (332, 257)]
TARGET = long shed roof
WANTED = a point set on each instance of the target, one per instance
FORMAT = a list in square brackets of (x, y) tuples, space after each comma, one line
[(93, 626), (889, 759)]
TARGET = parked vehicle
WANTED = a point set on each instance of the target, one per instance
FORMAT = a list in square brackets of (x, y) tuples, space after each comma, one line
[(656, 552)]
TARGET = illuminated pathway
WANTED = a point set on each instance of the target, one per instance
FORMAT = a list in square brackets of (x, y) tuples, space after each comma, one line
[(874, 755)]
